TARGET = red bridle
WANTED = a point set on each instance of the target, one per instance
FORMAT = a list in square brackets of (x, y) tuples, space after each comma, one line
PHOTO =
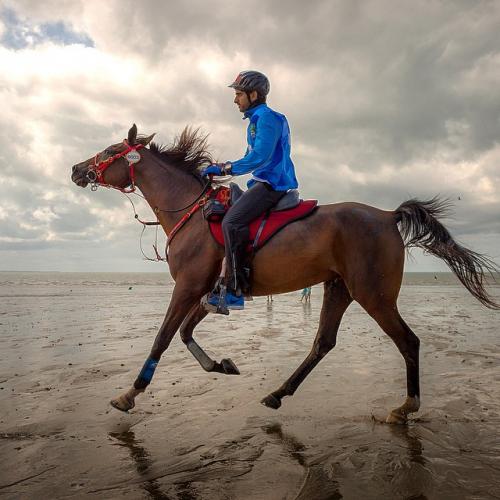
[(96, 170), (95, 177)]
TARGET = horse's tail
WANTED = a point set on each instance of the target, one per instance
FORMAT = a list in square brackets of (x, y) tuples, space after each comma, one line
[(420, 227)]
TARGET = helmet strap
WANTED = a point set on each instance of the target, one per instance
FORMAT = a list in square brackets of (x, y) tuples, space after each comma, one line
[(260, 100)]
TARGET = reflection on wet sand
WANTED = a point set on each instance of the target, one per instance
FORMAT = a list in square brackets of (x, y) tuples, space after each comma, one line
[(409, 434), (307, 309), (414, 476), (316, 483), (144, 464), (290, 443)]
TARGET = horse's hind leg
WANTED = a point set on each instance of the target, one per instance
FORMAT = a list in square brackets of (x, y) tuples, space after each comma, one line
[(407, 342), (335, 301), (195, 316)]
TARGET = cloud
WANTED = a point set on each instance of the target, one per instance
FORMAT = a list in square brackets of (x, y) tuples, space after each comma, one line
[(386, 101), (20, 33)]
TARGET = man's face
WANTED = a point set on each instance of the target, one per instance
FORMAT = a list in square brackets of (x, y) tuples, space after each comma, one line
[(242, 101)]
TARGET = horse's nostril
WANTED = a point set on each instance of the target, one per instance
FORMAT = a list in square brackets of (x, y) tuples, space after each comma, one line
[(73, 169)]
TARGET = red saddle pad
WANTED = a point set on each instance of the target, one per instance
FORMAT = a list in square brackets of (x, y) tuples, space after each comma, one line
[(275, 222)]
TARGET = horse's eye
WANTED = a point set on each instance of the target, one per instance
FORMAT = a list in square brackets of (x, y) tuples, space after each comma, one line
[(109, 152)]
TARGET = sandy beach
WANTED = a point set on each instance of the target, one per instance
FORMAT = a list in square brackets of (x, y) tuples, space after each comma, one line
[(72, 341)]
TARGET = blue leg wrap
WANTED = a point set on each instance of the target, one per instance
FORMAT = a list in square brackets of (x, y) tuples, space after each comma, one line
[(148, 370)]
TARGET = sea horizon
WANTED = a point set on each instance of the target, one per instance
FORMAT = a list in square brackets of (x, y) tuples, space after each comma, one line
[(160, 272), (163, 278)]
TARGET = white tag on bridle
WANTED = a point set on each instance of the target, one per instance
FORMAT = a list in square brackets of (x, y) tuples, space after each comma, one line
[(133, 157)]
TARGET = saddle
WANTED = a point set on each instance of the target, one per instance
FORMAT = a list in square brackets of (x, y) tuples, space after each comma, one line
[(289, 209), (290, 200)]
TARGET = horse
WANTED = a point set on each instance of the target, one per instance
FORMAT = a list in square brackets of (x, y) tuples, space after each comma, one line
[(357, 251)]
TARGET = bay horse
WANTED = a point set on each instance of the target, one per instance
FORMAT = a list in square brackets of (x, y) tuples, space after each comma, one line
[(355, 250)]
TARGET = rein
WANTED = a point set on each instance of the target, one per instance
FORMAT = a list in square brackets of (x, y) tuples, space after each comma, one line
[(198, 204), (201, 199), (95, 177)]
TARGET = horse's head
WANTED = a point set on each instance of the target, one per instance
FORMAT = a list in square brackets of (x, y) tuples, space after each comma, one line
[(114, 166)]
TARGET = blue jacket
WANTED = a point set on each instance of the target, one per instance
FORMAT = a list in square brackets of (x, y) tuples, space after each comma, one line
[(268, 152)]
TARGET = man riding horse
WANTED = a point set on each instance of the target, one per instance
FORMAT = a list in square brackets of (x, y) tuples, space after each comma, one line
[(268, 159), (355, 250)]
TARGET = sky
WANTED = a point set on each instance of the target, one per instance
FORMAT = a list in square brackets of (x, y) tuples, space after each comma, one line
[(386, 101)]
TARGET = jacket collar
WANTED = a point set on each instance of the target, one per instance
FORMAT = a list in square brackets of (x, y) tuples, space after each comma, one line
[(249, 112)]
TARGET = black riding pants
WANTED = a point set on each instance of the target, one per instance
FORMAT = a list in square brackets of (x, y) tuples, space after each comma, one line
[(254, 202)]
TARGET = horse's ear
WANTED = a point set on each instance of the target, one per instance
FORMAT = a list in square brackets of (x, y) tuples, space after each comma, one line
[(145, 140), (132, 135)]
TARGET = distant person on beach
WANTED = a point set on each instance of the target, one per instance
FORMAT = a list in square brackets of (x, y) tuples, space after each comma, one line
[(270, 298), (306, 294)]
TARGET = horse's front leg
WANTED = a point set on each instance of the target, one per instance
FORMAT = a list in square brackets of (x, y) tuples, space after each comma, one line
[(183, 300)]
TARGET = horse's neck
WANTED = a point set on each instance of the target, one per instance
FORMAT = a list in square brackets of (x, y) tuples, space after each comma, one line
[(166, 188)]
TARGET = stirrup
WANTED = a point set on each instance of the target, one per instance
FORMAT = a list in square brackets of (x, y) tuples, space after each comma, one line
[(216, 302)]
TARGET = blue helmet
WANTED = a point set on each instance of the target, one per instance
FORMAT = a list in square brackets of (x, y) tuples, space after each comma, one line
[(248, 81)]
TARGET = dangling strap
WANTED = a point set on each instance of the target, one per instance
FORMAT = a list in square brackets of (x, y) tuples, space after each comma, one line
[(259, 232), (186, 217)]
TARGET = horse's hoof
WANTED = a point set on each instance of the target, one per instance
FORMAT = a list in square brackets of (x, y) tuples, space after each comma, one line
[(122, 403), (229, 367), (396, 417), (271, 402)]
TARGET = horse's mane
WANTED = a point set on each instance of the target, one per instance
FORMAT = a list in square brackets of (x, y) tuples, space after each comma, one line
[(188, 152)]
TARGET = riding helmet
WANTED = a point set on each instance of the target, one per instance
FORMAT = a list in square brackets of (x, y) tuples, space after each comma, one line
[(248, 81)]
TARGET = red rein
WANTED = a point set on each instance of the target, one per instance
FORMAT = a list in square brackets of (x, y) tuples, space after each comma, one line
[(99, 167), (187, 216)]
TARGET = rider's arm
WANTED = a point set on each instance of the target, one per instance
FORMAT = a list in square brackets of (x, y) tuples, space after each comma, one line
[(268, 135)]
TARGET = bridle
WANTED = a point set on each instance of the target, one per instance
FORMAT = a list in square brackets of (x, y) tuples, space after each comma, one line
[(96, 170), (95, 177)]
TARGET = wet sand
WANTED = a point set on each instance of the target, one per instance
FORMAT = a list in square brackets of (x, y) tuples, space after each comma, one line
[(70, 342)]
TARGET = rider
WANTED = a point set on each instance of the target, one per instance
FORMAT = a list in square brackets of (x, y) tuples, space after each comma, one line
[(268, 159)]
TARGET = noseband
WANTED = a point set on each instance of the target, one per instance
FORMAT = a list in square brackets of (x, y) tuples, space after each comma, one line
[(96, 170)]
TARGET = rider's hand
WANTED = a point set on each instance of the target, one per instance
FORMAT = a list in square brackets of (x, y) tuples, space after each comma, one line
[(212, 170), (218, 169)]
